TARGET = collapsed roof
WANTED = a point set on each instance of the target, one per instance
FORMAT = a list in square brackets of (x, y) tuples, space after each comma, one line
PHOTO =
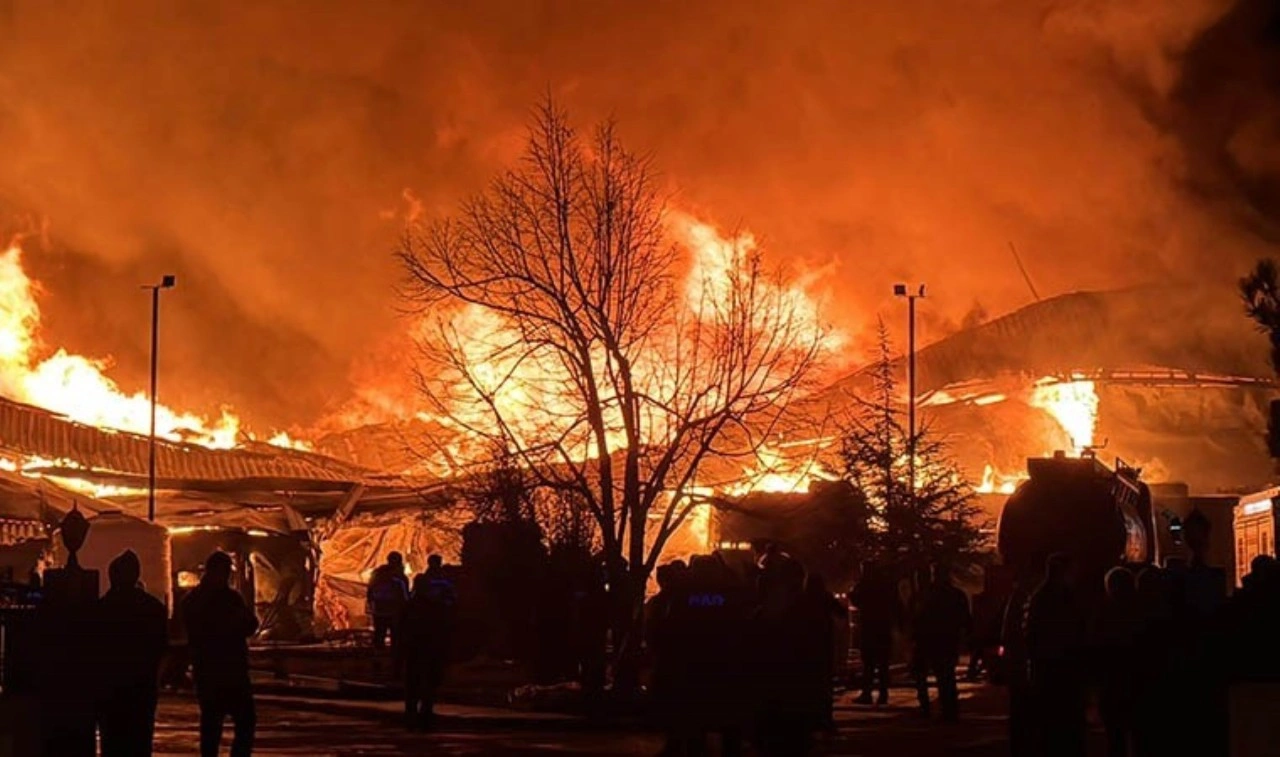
[(257, 474), (1180, 332)]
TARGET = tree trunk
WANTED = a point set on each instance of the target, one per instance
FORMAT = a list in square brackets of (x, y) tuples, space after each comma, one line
[(628, 634)]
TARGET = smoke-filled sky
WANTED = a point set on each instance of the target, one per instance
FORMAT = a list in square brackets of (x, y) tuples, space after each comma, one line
[(262, 151)]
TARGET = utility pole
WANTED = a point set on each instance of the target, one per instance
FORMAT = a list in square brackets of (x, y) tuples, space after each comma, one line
[(900, 290), (166, 282)]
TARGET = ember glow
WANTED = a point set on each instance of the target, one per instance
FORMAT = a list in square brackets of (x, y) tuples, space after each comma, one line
[(781, 471), (75, 385), (994, 482)]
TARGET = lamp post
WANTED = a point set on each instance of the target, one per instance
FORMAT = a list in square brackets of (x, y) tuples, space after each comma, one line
[(900, 290), (166, 282)]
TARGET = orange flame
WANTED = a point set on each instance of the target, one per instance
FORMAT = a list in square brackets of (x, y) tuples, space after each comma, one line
[(1074, 405), (74, 385), (488, 365)]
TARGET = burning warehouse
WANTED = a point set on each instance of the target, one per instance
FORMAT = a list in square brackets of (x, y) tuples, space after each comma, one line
[(1172, 380), (375, 256), (275, 509)]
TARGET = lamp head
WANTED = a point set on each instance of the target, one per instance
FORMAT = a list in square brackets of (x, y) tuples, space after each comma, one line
[(900, 290), (169, 281)]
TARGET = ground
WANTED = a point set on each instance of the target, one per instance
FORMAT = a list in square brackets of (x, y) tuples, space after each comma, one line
[(296, 725)]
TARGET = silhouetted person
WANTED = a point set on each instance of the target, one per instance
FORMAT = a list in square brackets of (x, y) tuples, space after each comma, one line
[(1024, 725), (219, 625), (132, 633), (426, 629), (440, 584), (782, 727), (820, 612), (707, 620), (1054, 636), (590, 629), (1251, 621), (988, 617), (1156, 666), (660, 623), (386, 595), (1200, 616), (942, 621), (1119, 628), (876, 599), (1252, 624)]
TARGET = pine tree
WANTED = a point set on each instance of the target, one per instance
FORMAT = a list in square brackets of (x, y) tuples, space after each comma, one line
[(910, 529)]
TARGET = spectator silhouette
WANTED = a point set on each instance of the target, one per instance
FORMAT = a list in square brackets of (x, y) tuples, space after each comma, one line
[(1023, 717), (876, 599), (1203, 598), (386, 596), (1054, 629), (1252, 623), (1251, 619), (1119, 627), (590, 632), (1157, 665), (942, 621), (219, 625), (440, 584), (426, 629), (706, 623), (782, 720), (820, 613), (660, 618), (988, 617), (132, 633)]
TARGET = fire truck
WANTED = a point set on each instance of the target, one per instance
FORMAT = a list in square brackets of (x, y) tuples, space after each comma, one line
[(1077, 505), (1100, 517)]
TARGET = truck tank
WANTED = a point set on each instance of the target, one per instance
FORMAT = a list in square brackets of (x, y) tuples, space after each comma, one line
[(1078, 506)]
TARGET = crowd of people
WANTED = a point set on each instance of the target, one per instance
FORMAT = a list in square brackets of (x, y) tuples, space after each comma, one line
[(742, 657), (754, 659), (1154, 648), (97, 676)]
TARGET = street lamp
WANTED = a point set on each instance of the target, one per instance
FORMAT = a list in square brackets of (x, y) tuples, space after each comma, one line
[(900, 290), (168, 281)]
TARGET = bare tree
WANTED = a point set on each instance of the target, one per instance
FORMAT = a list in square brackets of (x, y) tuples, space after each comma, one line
[(565, 332)]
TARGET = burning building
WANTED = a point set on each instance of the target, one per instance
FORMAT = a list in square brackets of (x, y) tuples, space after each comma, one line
[(273, 508), (1172, 380)]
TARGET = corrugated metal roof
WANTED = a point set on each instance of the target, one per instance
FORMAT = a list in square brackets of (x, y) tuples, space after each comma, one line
[(32, 431)]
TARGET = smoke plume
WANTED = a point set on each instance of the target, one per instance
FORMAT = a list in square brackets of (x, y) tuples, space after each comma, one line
[(268, 153)]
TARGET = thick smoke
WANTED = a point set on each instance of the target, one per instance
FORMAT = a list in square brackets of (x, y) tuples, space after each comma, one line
[(262, 152)]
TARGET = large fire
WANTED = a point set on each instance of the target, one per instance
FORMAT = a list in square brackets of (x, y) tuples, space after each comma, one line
[(482, 369), (1073, 404), (76, 387)]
